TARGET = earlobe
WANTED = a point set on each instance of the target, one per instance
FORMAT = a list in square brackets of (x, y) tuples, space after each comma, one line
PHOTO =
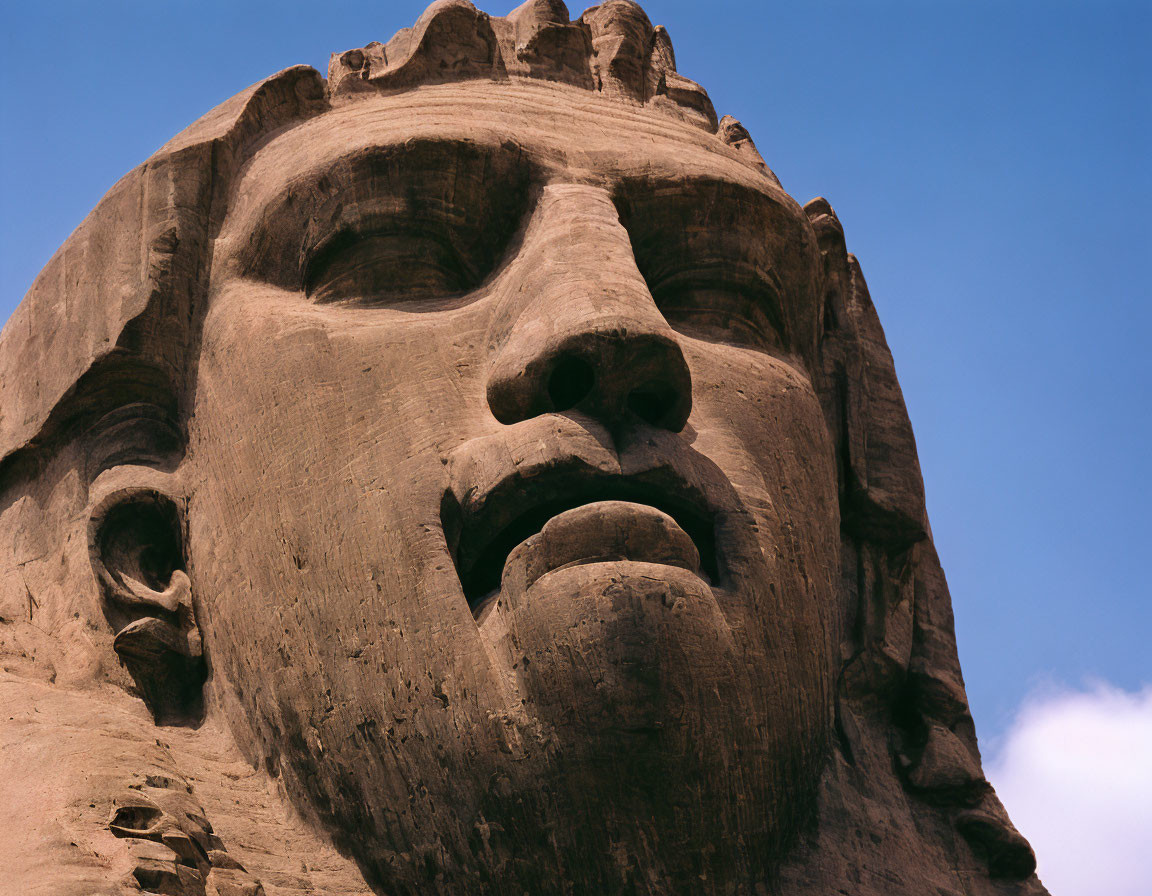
[(136, 546)]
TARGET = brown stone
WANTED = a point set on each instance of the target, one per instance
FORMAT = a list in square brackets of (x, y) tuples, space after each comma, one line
[(473, 473)]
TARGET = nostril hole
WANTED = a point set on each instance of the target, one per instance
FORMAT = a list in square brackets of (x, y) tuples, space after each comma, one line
[(570, 382), (651, 404)]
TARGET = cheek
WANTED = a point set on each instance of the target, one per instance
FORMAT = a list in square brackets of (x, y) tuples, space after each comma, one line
[(331, 418), (759, 419), (762, 416), (316, 497)]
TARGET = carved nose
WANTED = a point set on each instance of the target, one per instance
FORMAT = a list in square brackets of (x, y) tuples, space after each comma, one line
[(590, 337), (612, 371)]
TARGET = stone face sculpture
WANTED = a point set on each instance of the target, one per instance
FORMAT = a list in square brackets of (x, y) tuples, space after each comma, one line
[(472, 472)]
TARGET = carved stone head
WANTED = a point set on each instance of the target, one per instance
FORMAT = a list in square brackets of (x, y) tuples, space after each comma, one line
[(484, 445)]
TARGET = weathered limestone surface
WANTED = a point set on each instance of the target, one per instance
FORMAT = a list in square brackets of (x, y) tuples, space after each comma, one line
[(472, 472)]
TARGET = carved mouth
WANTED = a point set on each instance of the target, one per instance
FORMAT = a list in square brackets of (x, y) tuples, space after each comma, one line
[(483, 530)]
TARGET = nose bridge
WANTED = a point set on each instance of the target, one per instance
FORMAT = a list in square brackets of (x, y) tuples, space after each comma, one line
[(581, 258), (585, 332), (578, 259)]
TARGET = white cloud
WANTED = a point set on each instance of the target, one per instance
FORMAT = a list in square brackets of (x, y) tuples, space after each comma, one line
[(1075, 773)]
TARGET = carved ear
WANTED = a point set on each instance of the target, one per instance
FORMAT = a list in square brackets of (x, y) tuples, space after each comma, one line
[(136, 543), (901, 706)]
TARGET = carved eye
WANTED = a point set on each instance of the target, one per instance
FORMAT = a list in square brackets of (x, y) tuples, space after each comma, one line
[(388, 269), (712, 254), (418, 226), (739, 313)]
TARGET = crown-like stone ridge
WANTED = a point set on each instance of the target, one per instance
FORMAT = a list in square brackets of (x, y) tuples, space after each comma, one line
[(451, 41), (612, 48), (552, 47), (622, 45), (734, 134)]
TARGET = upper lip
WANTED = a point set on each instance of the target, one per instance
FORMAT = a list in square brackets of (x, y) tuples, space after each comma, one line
[(564, 463)]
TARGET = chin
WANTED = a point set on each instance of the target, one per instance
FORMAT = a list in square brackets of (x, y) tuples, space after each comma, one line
[(642, 750), (654, 729), (649, 745)]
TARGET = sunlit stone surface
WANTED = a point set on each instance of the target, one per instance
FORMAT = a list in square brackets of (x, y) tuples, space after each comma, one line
[(472, 472)]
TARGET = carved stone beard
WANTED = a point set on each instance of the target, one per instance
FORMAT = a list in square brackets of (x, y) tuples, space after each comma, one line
[(652, 759), (613, 725)]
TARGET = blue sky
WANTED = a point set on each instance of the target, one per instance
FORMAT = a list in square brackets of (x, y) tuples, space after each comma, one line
[(990, 163)]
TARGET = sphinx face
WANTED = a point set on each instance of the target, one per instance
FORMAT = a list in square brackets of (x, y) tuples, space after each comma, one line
[(513, 516)]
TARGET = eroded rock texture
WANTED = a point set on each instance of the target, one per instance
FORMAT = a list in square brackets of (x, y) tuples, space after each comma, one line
[(472, 472)]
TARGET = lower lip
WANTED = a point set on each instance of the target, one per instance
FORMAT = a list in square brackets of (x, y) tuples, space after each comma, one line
[(602, 532)]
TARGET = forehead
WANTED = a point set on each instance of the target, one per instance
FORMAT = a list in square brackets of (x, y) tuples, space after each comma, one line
[(566, 134)]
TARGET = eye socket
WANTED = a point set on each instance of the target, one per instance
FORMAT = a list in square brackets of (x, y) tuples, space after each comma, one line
[(734, 313), (715, 256), (419, 225), (387, 269), (720, 301)]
